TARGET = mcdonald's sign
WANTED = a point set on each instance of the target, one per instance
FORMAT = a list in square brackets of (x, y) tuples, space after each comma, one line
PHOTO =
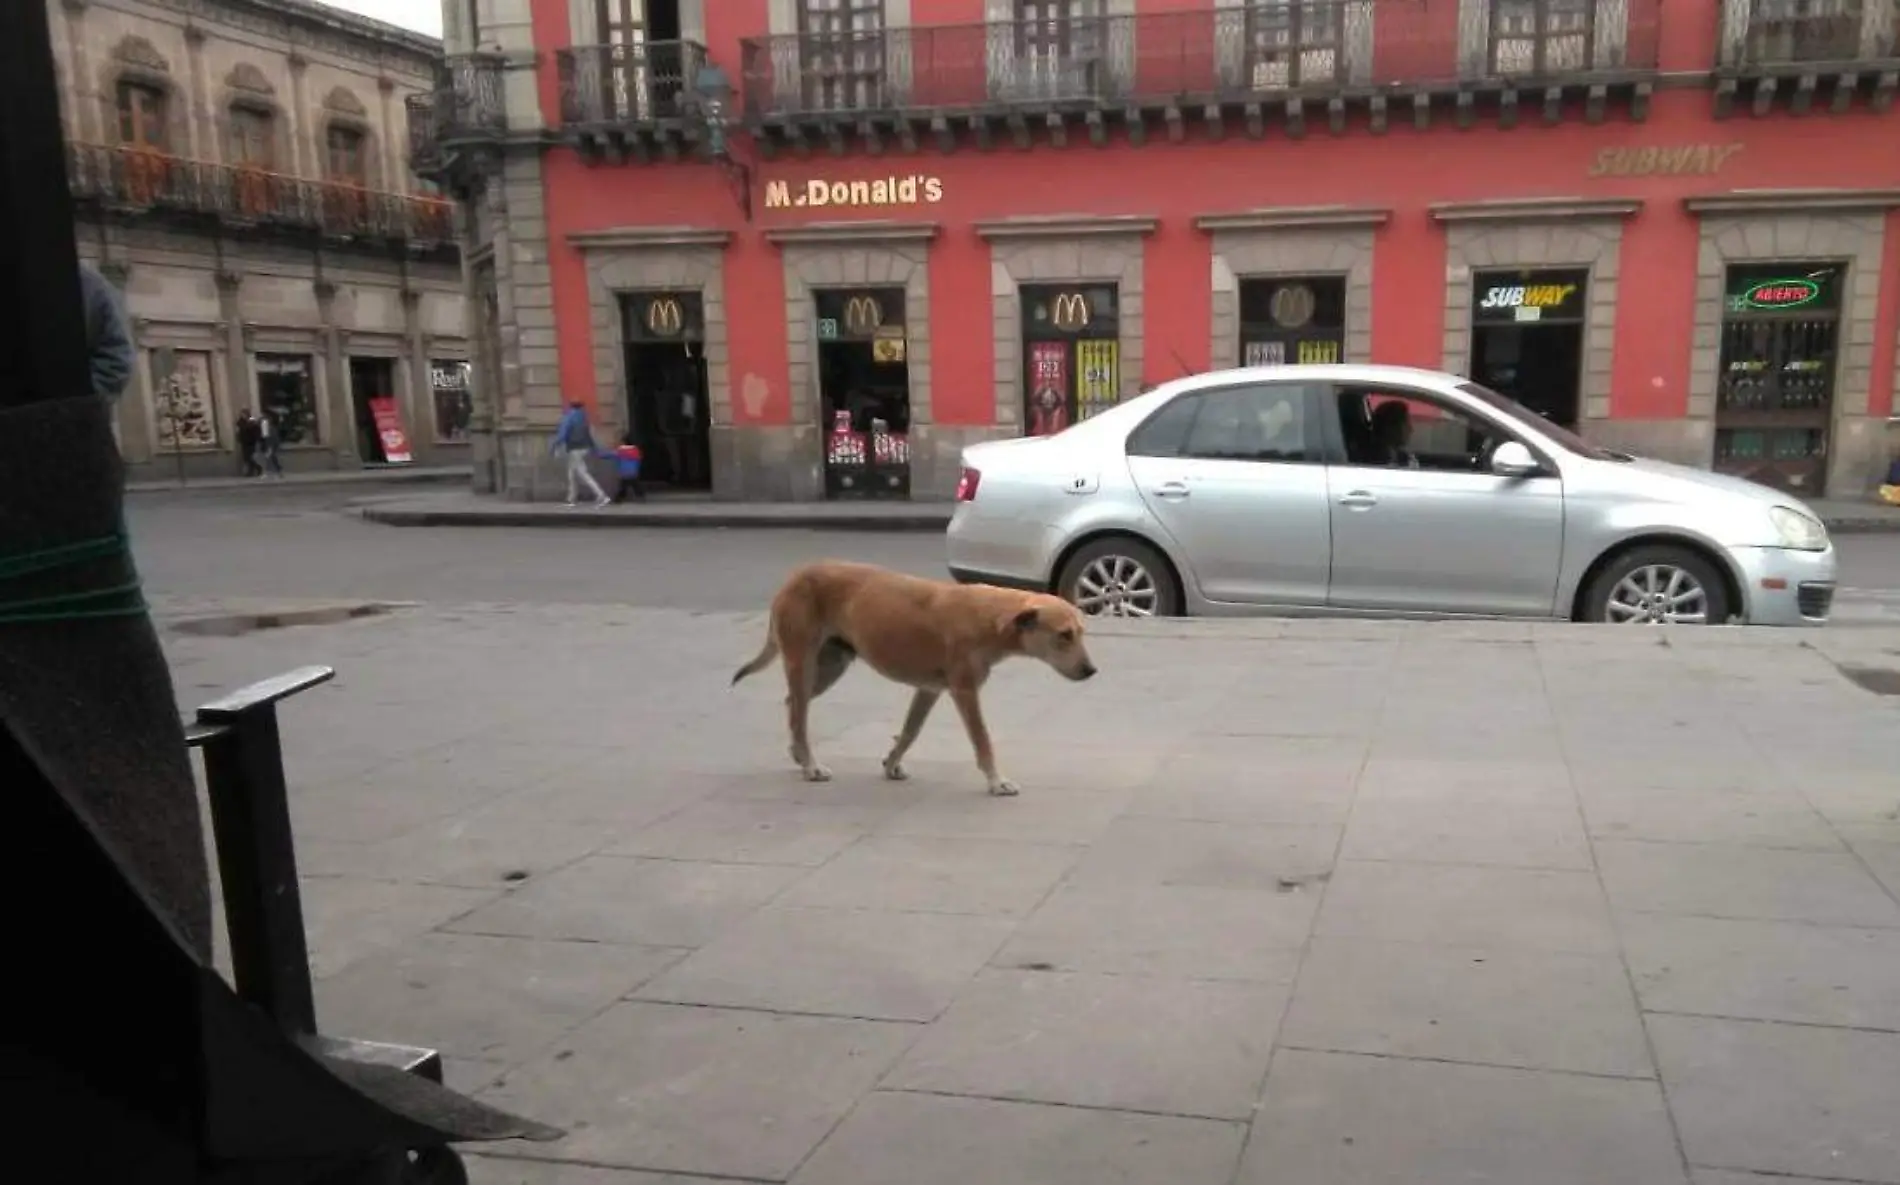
[(1069, 311), (664, 318), (862, 316)]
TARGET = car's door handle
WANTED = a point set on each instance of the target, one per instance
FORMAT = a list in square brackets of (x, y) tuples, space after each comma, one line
[(1358, 500), (1172, 489)]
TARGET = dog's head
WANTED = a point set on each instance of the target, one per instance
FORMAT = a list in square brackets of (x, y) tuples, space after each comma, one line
[(1050, 629)]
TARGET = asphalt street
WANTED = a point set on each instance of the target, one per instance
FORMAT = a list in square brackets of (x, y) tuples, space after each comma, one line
[(280, 541)]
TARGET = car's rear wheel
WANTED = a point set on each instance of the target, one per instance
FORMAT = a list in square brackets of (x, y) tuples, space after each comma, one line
[(1659, 585), (1119, 577)]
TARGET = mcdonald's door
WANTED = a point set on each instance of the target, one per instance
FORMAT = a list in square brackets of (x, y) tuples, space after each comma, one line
[(667, 399), (1071, 353)]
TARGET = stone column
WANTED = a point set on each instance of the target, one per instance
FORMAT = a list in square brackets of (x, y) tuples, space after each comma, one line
[(395, 170), (237, 363), (201, 141), (340, 410), (83, 107), (421, 389), (302, 142)]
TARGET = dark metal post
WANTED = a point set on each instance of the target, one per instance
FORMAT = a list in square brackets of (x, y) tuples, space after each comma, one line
[(257, 862)]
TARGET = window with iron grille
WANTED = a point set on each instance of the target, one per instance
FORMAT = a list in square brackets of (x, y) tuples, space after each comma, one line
[(1804, 30), (1294, 43), (1060, 47), (1542, 36), (143, 112), (252, 139), (842, 52)]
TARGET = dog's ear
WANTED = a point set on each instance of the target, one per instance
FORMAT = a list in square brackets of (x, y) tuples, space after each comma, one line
[(1027, 620)]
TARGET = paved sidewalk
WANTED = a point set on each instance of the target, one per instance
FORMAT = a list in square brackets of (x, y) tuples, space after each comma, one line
[(465, 509), (1308, 903), (382, 475)]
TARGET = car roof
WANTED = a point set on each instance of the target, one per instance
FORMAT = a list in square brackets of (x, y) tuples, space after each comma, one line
[(1331, 372)]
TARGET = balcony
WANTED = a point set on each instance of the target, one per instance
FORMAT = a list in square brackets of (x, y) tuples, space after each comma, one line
[(136, 182), (1341, 61), (1795, 51), (465, 113), (633, 99)]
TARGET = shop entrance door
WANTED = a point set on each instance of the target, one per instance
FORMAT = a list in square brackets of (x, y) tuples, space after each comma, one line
[(1775, 398), (1294, 320), (1527, 338), (864, 390), (668, 411), (1071, 354), (371, 379)]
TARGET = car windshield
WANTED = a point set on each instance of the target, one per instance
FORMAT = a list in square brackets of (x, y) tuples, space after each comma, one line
[(1511, 408)]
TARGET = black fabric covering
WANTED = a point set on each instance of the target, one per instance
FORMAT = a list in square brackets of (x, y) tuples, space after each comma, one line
[(95, 695)]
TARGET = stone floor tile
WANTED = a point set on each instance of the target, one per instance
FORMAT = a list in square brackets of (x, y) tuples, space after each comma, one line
[(1451, 905), (1464, 778), (1730, 1177), (1179, 1047), (713, 1091), (1790, 1099), (937, 1140), (875, 964), (470, 850), (1786, 971), (473, 996), (347, 918), (620, 899), (496, 1170), (931, 874), (1180, 931), (1343, 1119), (751, 832), (1779, 820), (1467, 1004), (1509, 836), (1154, 851), (1830, 888), (1042, 816), (1884, 860)]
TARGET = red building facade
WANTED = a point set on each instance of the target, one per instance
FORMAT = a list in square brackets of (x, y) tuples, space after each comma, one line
[(913, 224)]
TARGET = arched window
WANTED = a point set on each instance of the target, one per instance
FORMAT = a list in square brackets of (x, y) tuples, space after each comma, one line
[(253, 138), (143, 116), (345, 158)]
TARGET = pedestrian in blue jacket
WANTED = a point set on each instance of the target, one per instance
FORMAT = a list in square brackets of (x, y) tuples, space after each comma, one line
[(573, 437), (108, 345)]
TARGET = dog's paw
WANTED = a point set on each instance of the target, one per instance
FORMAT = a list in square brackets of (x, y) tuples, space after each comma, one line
[(817, 773), (1004, 788), (895, 771)]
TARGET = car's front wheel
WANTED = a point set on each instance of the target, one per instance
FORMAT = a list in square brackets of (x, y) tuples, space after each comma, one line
[(1119, 577), (1658, 585)]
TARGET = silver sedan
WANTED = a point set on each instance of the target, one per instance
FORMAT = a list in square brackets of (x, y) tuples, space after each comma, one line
[(1375, 490)]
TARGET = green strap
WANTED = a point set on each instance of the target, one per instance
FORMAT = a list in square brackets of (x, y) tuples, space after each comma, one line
[(119, 600)]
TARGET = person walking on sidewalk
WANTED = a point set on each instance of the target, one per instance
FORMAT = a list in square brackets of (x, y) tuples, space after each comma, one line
[(575, 438), (268, 442), (250, 436), (108, 345)]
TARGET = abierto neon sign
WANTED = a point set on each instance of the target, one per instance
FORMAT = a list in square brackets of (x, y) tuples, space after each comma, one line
[(1776, 295)]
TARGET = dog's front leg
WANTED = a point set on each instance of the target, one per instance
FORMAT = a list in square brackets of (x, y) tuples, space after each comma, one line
[(971, 709), (920, 705)]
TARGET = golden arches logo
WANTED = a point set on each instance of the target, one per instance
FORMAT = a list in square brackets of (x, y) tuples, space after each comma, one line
[(1070, 312), (664, 318), (862, 315)]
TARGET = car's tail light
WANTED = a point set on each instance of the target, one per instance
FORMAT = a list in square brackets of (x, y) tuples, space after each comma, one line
[(966, 484)]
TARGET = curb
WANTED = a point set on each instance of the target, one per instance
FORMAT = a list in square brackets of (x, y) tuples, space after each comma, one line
[(583, 519), (234, 624), (304, 481), (1863, 525)]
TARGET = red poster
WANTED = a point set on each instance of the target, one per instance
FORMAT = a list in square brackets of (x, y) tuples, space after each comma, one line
[(1048, 388), (389, 431)]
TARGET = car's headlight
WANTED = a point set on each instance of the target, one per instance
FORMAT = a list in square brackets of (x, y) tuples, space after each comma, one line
[(1797, 530)]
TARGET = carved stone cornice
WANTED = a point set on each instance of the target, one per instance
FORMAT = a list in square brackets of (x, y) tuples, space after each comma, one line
[(1065, 226), (1555, 209)]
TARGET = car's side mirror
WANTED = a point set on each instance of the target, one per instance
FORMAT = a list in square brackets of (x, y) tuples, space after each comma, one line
[(1514, 459)]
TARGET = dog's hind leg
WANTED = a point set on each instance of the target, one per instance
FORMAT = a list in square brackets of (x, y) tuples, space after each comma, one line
[(800, 679), (971, 709), (920, 705)]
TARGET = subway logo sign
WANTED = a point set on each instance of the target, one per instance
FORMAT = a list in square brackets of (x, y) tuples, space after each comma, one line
[(1527, 296)]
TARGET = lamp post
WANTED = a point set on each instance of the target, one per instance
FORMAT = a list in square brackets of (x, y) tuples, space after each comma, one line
[(715, 104)]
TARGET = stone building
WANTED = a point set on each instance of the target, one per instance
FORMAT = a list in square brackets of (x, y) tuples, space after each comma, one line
[(811, 249), (240, 169)]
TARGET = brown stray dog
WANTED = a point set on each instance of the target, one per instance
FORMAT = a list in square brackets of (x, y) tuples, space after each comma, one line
[(928, 634)]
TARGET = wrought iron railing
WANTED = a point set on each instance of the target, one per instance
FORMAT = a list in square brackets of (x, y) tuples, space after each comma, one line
[(467, 103), (1256, 50), (633, 83), (141, 180), (1792, 32)]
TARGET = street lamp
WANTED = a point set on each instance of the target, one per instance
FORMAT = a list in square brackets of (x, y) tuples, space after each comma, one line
[(715, 102)]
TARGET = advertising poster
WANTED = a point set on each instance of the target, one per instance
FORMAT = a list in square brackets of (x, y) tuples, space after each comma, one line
[(1270, 353), (389, 431), (1098, 377), (1048, 388)]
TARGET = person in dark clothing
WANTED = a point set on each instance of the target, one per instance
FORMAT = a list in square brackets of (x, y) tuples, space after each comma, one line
[(108, 343), (250, 434)]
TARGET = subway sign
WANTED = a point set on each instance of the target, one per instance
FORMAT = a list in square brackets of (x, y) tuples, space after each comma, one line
[(1776, 295), (1528, 299)]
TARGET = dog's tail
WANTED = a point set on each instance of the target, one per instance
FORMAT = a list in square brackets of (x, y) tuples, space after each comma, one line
[(759, 663)]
